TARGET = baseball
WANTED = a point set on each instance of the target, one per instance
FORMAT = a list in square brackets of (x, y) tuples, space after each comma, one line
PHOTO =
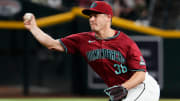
[(28, 16)]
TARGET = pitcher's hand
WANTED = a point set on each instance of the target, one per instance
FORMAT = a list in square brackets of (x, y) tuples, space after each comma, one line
[(29, 21)]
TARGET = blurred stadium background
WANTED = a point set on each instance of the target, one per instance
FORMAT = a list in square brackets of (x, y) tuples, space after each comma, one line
[(27, 69)]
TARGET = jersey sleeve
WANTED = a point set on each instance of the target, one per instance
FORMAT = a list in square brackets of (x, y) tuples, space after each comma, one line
[(71, 43), (135, 60)]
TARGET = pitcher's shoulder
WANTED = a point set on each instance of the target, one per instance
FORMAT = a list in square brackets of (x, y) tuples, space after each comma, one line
[(86, 34), (124, 36)]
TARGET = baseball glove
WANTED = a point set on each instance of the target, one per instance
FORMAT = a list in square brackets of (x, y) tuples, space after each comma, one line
[(116, 93)]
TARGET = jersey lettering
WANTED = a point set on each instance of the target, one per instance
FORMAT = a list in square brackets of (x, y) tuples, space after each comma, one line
[(105, 54)]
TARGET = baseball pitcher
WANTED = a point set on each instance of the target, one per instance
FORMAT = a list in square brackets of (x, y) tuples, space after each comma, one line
[(111, 54)]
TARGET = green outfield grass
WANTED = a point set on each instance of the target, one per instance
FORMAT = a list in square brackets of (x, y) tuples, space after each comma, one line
[(66, 99)]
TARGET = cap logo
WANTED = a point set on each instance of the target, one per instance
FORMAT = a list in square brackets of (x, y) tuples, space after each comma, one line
[(93, 5)]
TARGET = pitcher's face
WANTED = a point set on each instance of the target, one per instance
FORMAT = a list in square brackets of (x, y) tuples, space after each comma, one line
[(98, 21)]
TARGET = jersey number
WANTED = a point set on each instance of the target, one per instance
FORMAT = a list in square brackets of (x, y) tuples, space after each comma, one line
[(120, 69)]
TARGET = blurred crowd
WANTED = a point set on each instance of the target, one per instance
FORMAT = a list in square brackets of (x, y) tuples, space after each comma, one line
[(142, 12), (139, 11), (135, 10), (129, 9)]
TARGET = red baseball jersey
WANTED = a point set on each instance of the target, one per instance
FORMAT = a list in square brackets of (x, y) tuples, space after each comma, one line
[(114, 59)]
